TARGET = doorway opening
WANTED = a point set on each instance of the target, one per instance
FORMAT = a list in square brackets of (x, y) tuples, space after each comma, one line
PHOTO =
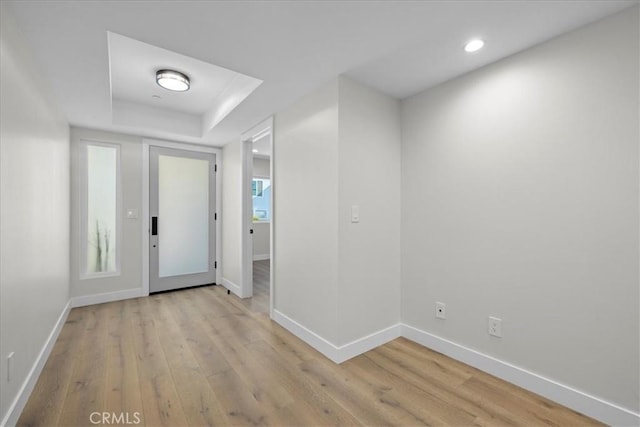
[(258, 215)]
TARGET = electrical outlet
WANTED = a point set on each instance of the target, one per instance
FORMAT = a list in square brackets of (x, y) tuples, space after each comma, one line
[(441, 312), (9, 360), (495, 327)]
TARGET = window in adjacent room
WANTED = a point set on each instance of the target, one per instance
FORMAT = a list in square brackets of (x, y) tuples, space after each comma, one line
[(261, 192)]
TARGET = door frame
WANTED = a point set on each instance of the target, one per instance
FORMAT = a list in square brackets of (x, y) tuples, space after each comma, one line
[(146, 229), (253, 134)]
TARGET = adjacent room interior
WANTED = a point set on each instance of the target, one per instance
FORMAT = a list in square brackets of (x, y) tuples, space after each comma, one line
[(320, 213)]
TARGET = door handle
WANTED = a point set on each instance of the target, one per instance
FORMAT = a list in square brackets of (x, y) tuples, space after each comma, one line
[(154, 225), (251, 231)]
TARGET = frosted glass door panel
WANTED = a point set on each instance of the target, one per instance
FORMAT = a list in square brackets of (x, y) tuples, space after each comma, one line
[(183, 216)]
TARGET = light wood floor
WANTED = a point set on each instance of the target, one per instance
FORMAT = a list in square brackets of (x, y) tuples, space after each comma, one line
[(201, 357)]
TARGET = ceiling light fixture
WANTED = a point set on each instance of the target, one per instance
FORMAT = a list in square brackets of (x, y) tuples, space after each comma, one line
[(173, 80), (473, 45), (255, 151)]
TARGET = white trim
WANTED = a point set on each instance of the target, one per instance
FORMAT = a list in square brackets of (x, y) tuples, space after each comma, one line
[(145, 216), (83, 199), (258, 131), (233, 287), (181, 146), (306, 335), (369, 342), (85, 300), (146, 144), (261, 257), (254, 133), (16, 407), (570, 397), (577, 400), (272, 225), (246, 281), (337, 354)]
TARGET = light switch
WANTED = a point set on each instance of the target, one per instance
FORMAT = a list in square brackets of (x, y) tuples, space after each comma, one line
[(132, 213), (355, 213)]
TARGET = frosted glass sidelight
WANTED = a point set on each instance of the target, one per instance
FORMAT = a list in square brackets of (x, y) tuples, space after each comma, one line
[(101, 209), (183, 216)]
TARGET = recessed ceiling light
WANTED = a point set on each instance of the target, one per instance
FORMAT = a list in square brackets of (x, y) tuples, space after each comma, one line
[(172, 80), (255, 151), (473, 45)]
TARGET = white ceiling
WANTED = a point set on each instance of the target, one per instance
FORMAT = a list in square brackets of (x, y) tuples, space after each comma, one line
[(263, 147), (136, 98), (399, 47)]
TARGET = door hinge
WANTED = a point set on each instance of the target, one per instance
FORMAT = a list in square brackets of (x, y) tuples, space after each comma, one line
[(215, 216), (215, 168), (215, 264)]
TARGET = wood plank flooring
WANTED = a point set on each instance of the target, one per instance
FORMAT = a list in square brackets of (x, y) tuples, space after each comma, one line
[(200, 357)]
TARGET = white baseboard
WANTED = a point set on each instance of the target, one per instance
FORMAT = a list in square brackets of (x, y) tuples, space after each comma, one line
[(306, 335), (261, 257), (16, 407), (369, 342), (577, 400), (85, 300), (337, 354), (234, 287)]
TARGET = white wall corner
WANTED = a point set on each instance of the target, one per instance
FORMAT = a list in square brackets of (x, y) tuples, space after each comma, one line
[(369, 342), (579, 401), (337, 354), (18, 404), (84, 300)]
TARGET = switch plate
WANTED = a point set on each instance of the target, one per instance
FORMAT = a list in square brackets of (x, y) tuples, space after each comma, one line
[(9, 360), (495, 327), (355, 213), (132, 213), (441, 312)]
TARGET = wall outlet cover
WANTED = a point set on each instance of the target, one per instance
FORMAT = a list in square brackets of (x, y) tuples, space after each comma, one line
[(495, 327), (441, 310)]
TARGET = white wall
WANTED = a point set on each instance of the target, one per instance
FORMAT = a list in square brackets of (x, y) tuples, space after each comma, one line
[(261, 167), (34, 212), (337, 147), (232, 216), (306, 202), (369, 176), (131, 239), (520, 200), (261, 240)]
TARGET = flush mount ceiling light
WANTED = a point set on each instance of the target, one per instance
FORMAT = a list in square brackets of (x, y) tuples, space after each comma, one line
[(172, 80), (473, 45)]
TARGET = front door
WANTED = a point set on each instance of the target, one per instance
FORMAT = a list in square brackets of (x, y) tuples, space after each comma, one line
[(182, 211)]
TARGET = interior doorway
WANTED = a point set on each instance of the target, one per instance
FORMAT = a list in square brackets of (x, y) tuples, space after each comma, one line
[(258, 188), (261, 221)]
